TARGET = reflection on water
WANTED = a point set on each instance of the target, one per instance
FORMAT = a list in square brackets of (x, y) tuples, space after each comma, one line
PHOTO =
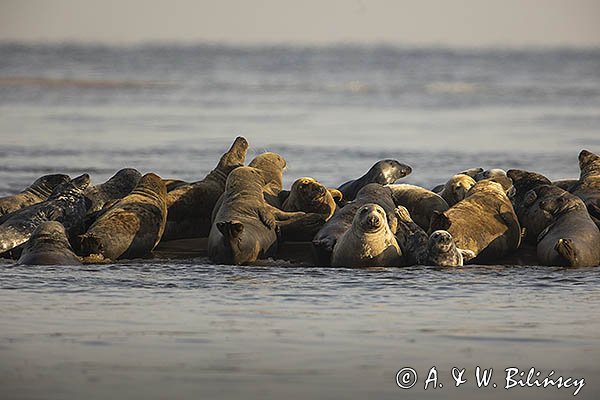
[(188, 329)]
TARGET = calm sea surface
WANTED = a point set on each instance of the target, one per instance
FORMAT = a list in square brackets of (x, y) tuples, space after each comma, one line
[(188, 329)]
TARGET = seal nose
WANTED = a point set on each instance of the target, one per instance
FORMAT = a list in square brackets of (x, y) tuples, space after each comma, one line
[(373, 221)]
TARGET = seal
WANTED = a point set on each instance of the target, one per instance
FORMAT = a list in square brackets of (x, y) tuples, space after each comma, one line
[(411, 238), (190, 206), (383, 172), (244, 228), (456, 188), (272, 166), (37, 192), (471, 172), (489, 173), (66, 205), (588, 187), (310, 196), (484, 222), (131, 227), (442, 251), (48, 245), (526, 202), (420, 202), (326, 238), (573, 239), (369, 242), (117, 187)]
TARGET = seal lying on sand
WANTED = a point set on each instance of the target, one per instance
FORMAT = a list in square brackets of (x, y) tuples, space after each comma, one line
[(326, 238), (37, 192), (573, 239), (442, 251), (117, 187), (485, 222), (369, 242), (384, 172), (456, 188), (66, 205), (48, 245), (311, 196), (133, 226), (588, 187), (420, 202), (191, 205)]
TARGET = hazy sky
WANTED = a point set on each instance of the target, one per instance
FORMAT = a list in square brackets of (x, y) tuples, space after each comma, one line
[(443, 22)]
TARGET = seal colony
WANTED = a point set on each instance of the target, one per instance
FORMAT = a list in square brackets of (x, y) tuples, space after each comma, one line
[(240, 214)]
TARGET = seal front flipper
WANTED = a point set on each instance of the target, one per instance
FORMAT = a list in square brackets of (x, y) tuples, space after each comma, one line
[(467, 255), (267, 218), (566, 249)]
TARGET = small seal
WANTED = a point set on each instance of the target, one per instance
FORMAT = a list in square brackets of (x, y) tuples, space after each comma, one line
[(572, 240), (420, 202), (37, 192), (442, 251), (191, 205), (369, 242), (384, 172), (117, 187), (485, 222), (132, 226), (310, 196), (66, 205), (456, 188), (48, 245), (326, 238)]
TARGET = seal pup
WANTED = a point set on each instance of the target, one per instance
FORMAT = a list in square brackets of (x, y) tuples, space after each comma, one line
[(383, 172), (190, 206), (442, 251), (484, 222), (66, 204), (420, 202), (369, 242), (573, 239), (326, 238), (37, 192), (48, 245), (244, 228), (117, 187), (310, 196), (588, 187), (411, 238), (133, 226), (456, 188)]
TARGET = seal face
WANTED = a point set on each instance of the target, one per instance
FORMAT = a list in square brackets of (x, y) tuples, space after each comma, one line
[(369, 242), (442, 251), (420, 202), (456, 188), (66, 204), (310, 196), (484, 222), (326, 238), (572, 240), (117, 187), (245, 228), (383, 172), (37, 192), (131, 227), (48, 245), (191, 205)]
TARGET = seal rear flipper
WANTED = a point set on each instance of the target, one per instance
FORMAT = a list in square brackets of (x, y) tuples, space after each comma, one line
[(566, 249), (230, 229), (336, 194)]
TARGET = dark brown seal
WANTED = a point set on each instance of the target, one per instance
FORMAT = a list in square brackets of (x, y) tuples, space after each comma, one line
[(588, 187), (133, 226), (191, 205), (37, 192), (573, 239), (48, 245), (485, 222), (383, 172), (117, 187)]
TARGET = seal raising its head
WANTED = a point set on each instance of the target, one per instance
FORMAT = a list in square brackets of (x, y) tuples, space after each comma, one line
[(369, 242), (39, 191), (311, 196), (383, 172)]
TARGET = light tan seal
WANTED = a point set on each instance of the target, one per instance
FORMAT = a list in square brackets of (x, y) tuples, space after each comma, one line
[(456, 188), (133, 226), (485, 222), (369, 242), (310, 196)]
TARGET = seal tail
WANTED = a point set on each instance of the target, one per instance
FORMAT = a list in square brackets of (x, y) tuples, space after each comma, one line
[(566, 249), (230, 229)]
